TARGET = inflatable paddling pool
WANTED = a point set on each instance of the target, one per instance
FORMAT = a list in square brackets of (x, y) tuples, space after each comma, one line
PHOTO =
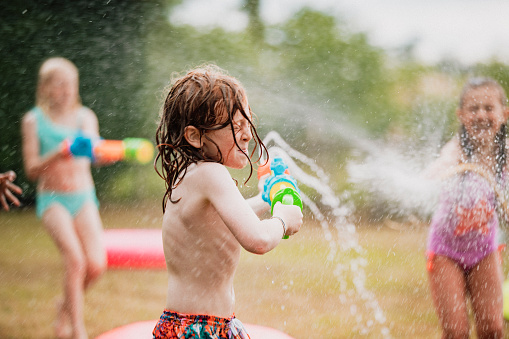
[(134, 248), (143, 330)]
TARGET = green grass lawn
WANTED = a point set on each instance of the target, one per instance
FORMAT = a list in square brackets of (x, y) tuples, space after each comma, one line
[(293, 288)]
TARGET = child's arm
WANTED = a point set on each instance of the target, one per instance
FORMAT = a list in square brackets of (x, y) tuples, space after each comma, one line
[(259, 206), (448, 158), (254, 235), (257, 203), (90, 124), (91, 129), (33, 163)]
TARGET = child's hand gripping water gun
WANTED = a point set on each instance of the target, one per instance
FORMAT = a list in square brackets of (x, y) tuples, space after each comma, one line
[(130, 149), (280, 185)]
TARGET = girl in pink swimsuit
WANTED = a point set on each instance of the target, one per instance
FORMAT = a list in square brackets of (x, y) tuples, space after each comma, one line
[(462, 245), (465, 224)]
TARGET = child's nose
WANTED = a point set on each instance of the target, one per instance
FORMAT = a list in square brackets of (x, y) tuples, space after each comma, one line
[(246, 133), (482, 114)]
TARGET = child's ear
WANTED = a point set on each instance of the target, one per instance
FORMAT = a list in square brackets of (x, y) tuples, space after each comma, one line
[(506, 113), (193, 136)]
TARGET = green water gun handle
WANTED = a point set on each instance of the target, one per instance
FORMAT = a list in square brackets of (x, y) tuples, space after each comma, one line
[(287, 196)]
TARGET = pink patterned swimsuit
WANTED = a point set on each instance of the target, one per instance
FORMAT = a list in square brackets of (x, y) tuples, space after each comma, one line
[(465, 224)]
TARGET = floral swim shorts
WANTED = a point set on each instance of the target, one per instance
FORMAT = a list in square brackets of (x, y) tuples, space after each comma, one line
[(174, 325)]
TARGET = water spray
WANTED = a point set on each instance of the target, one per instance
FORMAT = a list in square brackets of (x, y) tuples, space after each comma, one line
[(333, 216)]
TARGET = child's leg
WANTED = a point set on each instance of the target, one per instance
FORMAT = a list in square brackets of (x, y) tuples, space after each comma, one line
[(448, 289), (90, 232), (485, 287), (59, 224)]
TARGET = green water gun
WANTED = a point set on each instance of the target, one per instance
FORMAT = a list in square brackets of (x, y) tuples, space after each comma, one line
[(280, 186)]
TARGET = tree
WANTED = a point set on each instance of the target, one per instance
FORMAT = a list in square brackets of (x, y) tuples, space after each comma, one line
[(104, 40), (255, 26), (337, 66)]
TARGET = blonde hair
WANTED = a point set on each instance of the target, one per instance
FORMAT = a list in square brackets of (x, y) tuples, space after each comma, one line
[(47, 71)]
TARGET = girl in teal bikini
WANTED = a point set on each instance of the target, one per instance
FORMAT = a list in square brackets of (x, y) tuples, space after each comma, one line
[(66, 200)]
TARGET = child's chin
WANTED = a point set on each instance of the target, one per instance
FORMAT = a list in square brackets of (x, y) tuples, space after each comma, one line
[(483, 134), (486, 135), (239, 165)]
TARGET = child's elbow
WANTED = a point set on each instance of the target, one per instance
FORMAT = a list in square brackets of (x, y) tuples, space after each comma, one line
[(260, 250), (261, 246)]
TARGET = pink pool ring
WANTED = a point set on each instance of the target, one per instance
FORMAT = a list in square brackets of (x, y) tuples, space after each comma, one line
[(143, 330), (134, 248)]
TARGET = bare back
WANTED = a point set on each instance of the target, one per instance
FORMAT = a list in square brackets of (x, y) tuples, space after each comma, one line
[(203, 234), (201, 252)]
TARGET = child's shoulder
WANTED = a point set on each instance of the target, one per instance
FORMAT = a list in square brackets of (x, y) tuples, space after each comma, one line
[(30, 115), (210, 175), (451, 149), (447, 159), (86, 112), (87, 120), (29, 118), (205, 169)]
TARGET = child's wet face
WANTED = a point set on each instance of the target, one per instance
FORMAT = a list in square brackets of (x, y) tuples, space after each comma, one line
[(482, 112), (233, 157)]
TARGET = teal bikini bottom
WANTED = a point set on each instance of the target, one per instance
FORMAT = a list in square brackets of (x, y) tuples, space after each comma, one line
[(71, 201)]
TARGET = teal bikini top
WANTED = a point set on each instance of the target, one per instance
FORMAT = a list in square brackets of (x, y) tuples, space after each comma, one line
[(50, 134)]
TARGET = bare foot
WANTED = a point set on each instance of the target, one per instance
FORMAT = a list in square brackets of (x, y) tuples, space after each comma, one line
[(63, 328)]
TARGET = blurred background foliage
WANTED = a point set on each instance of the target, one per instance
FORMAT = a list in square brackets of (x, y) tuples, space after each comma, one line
[(305, 78)]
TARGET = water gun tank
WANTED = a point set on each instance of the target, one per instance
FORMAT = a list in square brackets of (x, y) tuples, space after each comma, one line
[(280, 185)]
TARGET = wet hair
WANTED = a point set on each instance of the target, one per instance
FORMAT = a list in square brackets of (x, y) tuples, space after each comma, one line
[(500, 138), (208, 99), (477, 82), (47, 71)]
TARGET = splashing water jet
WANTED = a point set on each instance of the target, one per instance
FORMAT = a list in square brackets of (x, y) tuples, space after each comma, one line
[(333, 217)]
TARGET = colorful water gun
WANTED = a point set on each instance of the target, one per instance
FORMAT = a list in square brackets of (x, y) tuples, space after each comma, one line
[(130, 149), (280, 186)]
